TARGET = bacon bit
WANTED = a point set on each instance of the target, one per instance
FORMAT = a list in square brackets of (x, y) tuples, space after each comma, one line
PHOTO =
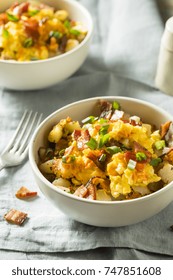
[(15, 217), (132, 122), (68, 151), (24, 193), (88, 191), (129, 155), (20, 9), (15, 4), (95, 156), (63, 43), (91, 194), (117, 115), (140, 166), (31, 27), (3, 18), (164, 129), (133, 195), (82, 137), (106, 109), (139, 148), (76, 134), (169, 156), (81, 191)]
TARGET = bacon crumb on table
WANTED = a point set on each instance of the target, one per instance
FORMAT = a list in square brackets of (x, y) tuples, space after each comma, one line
[(15, 217), (24, 193)]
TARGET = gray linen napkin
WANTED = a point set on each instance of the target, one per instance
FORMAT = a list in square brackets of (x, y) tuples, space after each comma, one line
[(122, 61)]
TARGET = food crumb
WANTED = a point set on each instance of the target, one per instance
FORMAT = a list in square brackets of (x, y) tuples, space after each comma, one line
[(24, 193), (15, 217)]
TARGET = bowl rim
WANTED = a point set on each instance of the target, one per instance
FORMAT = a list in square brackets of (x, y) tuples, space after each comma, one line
[(86, 39), (63, 193)]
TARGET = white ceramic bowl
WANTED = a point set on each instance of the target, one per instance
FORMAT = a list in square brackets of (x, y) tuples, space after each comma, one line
[(100, 213), (40, 74)]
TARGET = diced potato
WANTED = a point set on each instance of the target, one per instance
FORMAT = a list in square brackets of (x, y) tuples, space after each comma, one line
[(61, 15), (55, 134), (166, 173), (46, 167), (71, 44), (102, 195)]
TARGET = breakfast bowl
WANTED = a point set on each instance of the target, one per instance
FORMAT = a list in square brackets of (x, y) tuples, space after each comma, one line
[(125, 208), (40, 47)]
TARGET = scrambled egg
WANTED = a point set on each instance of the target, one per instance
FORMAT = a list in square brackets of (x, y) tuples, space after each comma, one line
[(122, 132), (34, 31), (107, 158)]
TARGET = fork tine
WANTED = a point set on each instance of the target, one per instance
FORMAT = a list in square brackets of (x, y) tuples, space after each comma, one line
[(16, 132), (24, 145), (21, 131)]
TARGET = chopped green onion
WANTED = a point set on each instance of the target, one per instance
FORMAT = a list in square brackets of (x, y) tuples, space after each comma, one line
[(160, 144), (12, 17), (5, 33), (104, 130), (102, 158), (116, 105), (28, 43), (67, 23), (123, 147), (64, 159), (33, 58), (89, 119), (61, 153), (72, 158), (103, 140), (92, 144), (55, 34), (131, 164), (140, 156), (68, 159), (155, 161), (113, 150), (102, 120), (33, 12), (75, 32)]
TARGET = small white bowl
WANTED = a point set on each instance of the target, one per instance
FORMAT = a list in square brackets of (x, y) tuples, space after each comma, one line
[(40, 74), (100, 213)]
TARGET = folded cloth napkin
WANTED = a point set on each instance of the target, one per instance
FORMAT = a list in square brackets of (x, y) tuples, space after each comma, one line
[(122, 61)]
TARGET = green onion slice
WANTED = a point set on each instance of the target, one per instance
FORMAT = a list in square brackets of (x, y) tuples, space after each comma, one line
[(92, 144), (160, 144), (103, 140), (141, 156), (102, 120), (102, 158), (104, 130), (33, 12), (28, 43), (68, 159), (113, 150), (67, 23), (61, 152), (131, 164), (155, 161), (5, 33), (116, 105), (74, 32), (89, 119), (12, 17), (55, 34)]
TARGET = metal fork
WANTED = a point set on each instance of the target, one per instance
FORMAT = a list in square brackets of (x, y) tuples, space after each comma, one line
[(17, 149)]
